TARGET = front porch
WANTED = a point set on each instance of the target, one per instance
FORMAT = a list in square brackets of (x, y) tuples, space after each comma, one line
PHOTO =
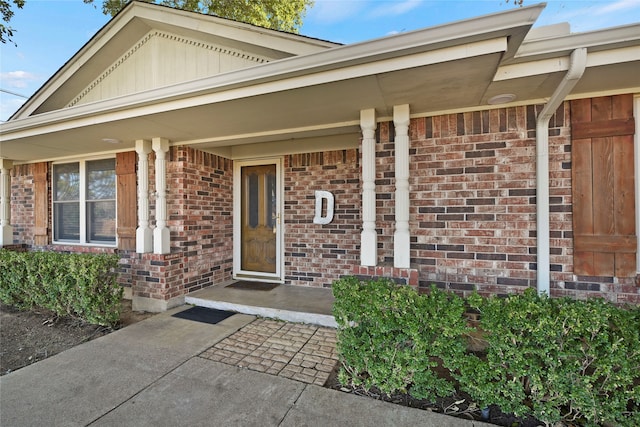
[(278, 301)]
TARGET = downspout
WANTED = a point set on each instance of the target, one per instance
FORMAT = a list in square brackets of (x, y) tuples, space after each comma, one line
[(576, 69)]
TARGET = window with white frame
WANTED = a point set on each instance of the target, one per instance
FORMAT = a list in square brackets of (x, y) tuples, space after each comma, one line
[(84, 202)]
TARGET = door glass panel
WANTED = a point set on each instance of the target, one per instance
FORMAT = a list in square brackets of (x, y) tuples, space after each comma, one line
[(258, 218), (254, 201), (270, 182)]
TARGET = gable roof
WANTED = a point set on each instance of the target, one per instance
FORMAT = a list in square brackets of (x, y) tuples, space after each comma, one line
[(452, 67), (143, 27)]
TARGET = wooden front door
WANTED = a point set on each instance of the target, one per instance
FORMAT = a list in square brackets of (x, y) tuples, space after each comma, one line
[(259, 220)]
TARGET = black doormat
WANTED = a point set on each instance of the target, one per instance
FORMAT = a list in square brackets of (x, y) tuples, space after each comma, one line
[(252, 286), (204, 315)]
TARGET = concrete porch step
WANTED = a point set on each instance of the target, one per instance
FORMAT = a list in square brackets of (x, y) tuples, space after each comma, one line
[(290, 303)]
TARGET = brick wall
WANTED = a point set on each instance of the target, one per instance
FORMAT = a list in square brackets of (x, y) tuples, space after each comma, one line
[(473, 205), (200, 220), (200, 208), (22, 200), (473, 199), (316, 255), (385, 191)]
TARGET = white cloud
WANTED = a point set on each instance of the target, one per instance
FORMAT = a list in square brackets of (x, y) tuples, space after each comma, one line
[(617, 6), (588, 16), (17, 79)]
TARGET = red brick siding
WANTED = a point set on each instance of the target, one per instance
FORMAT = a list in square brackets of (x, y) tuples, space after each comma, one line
[(385, 191), (200, 220), (200, 207), (473, 212), (473, 205), (473, 201), (22, 204), (316, 255)]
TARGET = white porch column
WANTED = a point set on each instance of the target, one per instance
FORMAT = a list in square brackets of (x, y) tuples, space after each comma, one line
[(6, 230), (161, 232), (144, 233), (401, 243), (369, 237)]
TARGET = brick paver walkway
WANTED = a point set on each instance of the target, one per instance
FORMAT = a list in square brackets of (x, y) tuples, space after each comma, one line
[(305, 353)]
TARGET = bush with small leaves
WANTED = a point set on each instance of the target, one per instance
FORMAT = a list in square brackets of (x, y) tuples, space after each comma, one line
[(556, 359), (391, 337), (79, 285)]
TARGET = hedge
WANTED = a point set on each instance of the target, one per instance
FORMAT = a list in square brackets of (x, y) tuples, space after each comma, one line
[(551, 358), (79, 285)]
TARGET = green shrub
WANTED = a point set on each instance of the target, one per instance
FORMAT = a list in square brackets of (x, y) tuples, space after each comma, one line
[(391, 337), (553, 359), (557, 359), (80, 285)]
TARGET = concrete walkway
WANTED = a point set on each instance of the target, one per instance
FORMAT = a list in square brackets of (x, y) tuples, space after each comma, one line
[(162, 372)]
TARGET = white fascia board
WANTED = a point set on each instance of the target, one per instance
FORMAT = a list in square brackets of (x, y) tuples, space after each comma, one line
[(622, 36), (230, 29), (284, 134), (554, 65), (525, 69), (230, 86)]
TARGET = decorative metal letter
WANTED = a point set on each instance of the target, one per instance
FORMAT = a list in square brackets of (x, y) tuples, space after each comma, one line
[(320, 197)]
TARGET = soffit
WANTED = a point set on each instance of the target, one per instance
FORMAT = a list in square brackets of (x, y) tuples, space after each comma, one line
[(326, 108)]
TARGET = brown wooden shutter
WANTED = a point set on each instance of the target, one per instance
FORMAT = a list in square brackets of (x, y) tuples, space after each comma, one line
[(127, 200), (41, 204), (604, 231)]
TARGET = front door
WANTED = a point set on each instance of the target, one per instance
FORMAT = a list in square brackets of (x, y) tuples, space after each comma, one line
[(257, 221)]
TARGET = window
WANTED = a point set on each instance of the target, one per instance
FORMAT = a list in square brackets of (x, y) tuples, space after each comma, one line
[(84, 202)]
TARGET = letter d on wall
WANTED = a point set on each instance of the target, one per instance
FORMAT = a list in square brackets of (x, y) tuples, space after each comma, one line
[(321, 196)]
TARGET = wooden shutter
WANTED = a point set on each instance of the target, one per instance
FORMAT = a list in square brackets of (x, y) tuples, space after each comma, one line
[(604, 231), (126, 200), (41, 204)]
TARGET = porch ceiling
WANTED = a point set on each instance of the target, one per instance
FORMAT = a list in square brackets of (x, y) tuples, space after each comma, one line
[(318, 110)]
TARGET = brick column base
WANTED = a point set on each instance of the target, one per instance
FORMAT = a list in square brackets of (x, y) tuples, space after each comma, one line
[(404, 276)]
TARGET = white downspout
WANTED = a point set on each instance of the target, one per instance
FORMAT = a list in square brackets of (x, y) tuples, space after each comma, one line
[(576, 69)]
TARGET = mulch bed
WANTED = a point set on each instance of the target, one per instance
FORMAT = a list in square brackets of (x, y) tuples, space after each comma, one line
[(33, 335)]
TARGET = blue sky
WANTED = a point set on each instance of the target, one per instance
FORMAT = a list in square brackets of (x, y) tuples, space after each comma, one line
[(49, 32)]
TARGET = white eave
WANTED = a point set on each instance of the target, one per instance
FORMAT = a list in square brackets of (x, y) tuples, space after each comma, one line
[(453, 67), (613, 61), (436, 44)]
